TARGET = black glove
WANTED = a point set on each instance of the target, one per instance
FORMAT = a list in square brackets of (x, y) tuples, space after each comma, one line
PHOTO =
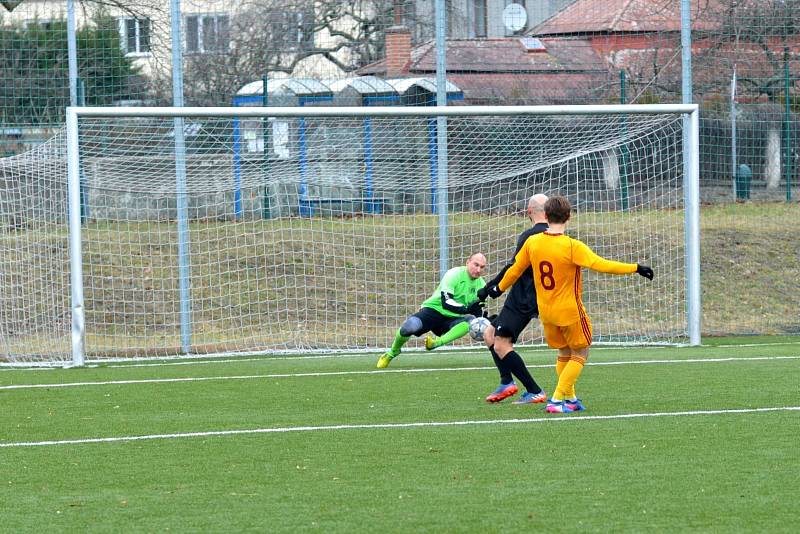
[(644, 270), (476, 308), (494, 291), (489, 291)]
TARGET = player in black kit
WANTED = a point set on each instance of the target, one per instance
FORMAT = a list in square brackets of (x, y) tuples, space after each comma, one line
[(519, 308)]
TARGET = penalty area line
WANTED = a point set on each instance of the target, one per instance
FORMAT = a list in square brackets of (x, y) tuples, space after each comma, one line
[(428, 424)]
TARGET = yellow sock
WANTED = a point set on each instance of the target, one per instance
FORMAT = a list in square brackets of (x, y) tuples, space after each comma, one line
[(582, 361), (561, 362), (566, 381)]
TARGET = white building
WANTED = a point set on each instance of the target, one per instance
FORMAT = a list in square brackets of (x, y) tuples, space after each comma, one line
[(469, 19), (209, 28)]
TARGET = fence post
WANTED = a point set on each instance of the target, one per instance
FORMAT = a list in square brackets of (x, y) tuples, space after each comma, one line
[(184, 273), (265, 165), (623, 179), (441, 136), (734, 165), (787, 125), (691, 178)]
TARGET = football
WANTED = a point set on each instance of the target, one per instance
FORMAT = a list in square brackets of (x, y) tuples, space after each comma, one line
[(477, 327)]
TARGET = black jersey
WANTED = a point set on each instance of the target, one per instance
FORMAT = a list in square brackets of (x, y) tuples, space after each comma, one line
[(521, 297)]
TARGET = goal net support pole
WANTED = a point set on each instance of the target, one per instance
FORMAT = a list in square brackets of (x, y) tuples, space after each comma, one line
[(78, 333), (692, 225)]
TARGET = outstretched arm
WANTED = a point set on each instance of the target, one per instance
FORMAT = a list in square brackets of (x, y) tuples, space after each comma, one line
[(585, 257)]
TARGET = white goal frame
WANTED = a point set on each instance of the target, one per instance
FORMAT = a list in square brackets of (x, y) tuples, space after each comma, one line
[(691, 135)]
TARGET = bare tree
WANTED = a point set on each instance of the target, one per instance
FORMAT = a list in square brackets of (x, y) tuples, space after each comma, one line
[(758, 36), (322, 39)]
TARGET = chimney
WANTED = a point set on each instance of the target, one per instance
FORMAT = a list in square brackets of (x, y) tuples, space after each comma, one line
[(398, 45)]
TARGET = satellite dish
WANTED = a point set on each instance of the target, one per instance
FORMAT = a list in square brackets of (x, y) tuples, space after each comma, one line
[(514, 17)]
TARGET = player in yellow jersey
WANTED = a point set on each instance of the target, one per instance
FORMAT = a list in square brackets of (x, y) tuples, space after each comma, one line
[(556, 260)]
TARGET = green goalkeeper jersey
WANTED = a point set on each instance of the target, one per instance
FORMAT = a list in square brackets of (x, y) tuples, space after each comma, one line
[(460, 285)]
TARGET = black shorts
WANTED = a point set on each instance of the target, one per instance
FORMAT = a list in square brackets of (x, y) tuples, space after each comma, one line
[(433, 321), (510, 324)]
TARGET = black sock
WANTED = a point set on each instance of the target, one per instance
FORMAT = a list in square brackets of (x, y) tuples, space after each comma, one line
[(514, 362), (505, 371)]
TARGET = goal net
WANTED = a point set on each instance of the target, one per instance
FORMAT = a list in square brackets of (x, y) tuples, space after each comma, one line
[(240, 230)]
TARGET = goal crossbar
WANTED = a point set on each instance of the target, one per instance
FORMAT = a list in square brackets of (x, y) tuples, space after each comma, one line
[(384, 111)]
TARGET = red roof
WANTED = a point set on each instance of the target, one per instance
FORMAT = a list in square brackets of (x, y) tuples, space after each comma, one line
[(532, 88), (502, 55), (514, 70), (594, 16)]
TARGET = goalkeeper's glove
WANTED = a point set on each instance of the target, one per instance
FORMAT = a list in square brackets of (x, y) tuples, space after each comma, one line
[(476, 308), (483, 294), (644, 270)]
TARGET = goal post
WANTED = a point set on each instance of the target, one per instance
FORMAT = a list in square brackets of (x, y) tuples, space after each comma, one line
[(329, 236)]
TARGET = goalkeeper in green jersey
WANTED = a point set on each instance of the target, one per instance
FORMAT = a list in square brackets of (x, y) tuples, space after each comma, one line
[(447, 312)]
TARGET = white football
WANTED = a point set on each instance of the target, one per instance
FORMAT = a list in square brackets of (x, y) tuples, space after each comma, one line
[(477, 327)]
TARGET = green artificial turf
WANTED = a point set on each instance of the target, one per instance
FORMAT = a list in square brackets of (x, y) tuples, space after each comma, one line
[(324, 444)]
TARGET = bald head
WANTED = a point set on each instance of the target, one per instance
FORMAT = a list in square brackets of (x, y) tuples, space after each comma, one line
[(476, 264), (536, 208)]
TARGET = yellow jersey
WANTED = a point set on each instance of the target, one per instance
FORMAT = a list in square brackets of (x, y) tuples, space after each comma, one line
[(556, 260)]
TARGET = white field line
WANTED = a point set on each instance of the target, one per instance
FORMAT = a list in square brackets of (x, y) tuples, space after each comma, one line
[(469, 351), (279, 430), (197, 360), (181, 360), (372, 372)]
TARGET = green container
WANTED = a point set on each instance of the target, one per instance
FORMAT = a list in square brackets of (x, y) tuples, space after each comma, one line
[(744, 176)]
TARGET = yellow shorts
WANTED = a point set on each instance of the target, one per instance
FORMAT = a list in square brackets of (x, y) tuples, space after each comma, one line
[(575, 336)]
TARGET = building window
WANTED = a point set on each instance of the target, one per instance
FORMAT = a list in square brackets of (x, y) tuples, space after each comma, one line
[(280, 139), (135, 35), (291, 30), (479, 17), (207, 33), (253, 135)]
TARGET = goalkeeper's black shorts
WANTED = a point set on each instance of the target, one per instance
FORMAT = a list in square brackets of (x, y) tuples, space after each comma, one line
[(433, 321)]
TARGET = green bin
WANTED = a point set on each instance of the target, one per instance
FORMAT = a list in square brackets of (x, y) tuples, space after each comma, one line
[(743, 178)]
